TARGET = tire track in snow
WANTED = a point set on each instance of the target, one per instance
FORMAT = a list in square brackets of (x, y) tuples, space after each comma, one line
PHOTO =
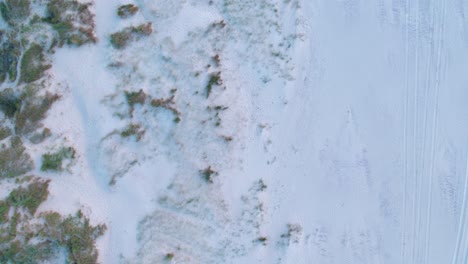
[(416, 159), (405, 137), (435, 122), (423, 170), (462, 238)]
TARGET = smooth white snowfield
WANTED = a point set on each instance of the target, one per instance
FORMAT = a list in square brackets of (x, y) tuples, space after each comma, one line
[(352, 113)]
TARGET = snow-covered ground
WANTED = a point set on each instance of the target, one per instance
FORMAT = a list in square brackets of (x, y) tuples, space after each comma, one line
[(337, 133)]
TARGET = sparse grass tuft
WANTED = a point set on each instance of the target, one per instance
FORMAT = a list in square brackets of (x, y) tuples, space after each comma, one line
[(128, 10), (14, 161), (121, 39), (33, 111), (215, 79), (32, 64), (134, 98), (30, 197), (38, 137), (207, 174), (72, 20), (262, 240), (133, 130), (168, 256), (167, 104)]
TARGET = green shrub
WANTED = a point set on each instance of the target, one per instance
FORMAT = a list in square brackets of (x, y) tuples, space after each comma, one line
[(128, 10), (30, 197), (14, 161), (32, 64), (54, 161)]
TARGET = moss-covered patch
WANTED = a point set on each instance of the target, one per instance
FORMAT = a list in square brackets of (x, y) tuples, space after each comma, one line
[(33, 65), (29, 197), (128, 10), (14, 161), (54, 161)]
